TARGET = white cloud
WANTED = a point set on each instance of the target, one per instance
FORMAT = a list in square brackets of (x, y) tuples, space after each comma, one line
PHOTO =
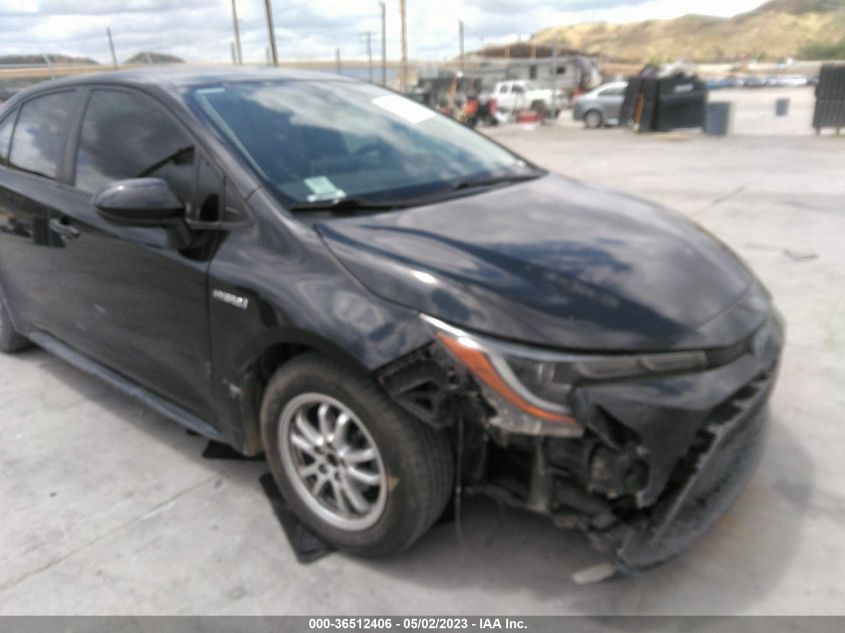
[(201, 30)]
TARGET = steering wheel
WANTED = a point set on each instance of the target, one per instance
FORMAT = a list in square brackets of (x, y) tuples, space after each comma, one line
[(378, 148)]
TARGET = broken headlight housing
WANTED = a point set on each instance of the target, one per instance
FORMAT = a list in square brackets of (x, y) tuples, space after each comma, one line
[(531, 389)]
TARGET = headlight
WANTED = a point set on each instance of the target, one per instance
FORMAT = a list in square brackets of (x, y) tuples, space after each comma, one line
[(532, 389)]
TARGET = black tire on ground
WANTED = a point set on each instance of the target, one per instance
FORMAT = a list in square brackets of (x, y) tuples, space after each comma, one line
[(10, 340), (540, 108), (417, 461), (593, 119)]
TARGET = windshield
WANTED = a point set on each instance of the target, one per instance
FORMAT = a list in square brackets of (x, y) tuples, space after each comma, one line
[(330, 140)]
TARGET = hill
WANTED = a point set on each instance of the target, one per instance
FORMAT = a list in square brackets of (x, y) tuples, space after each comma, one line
[(146, 57), (778, 29)]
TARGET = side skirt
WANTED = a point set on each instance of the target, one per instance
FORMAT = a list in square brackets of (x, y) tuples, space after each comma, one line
[(124, 385)]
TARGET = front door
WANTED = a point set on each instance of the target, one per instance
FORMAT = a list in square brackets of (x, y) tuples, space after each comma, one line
[(131, 301)]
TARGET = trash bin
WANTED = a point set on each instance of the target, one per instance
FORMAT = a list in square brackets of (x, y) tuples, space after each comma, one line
[(719, 118), (782, 107)]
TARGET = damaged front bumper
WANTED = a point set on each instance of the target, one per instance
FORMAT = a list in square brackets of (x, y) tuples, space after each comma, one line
[(653, 464), (703, 485)]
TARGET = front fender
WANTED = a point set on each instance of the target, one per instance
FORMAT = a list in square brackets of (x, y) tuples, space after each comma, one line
[(276, 283)]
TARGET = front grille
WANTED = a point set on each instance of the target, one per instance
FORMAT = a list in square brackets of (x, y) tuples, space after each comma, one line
[(735, 427)]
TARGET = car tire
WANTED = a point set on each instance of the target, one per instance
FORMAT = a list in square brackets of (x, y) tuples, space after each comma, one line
[(593, 119), (540, 108), (10, 340), (369, 507)]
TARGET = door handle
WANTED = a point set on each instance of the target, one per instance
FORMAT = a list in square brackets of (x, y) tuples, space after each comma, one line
[(67, 231)]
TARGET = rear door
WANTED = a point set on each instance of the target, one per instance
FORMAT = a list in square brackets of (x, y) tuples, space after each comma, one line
[(131, 301), (32, 144)]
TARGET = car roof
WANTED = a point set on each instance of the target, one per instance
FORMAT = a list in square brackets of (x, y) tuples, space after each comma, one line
[(178, 76)]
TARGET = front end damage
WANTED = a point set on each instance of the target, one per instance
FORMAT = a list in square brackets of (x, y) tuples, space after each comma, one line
[(642, 464)]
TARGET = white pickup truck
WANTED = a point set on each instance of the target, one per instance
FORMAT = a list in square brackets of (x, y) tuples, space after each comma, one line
[(517, 95)]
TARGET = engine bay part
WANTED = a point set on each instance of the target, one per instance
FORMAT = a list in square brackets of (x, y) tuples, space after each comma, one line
[(658, 458)]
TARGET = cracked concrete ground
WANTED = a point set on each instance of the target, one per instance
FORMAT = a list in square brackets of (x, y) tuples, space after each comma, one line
[(109, 509)]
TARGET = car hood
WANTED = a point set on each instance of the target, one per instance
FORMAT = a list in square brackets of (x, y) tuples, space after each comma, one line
[(556, 263)]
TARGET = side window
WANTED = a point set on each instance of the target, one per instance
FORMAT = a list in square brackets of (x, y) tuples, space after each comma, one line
[(130, 136), (39, 135), (6, 136)]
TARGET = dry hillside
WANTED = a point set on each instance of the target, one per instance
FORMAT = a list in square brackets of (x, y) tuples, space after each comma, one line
[(778, 29)]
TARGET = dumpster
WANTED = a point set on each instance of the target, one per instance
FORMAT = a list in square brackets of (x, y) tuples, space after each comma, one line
[(663, 104)]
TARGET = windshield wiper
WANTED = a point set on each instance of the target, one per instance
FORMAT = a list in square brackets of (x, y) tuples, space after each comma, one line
[(472, 183), (347, 204), (363, 204), (476, 183)]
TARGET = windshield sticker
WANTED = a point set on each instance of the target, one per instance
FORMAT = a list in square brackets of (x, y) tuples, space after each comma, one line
[(323, 188), (404, 108)]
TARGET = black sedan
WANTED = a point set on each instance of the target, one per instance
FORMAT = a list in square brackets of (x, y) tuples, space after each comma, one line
[(387, 304)]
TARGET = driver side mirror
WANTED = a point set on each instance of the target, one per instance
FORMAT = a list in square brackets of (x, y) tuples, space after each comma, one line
[(140, 202)]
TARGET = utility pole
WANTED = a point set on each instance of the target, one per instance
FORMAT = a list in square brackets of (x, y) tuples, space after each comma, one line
[(111, 47), (49, 63), (239, 58), (383, 44), (461, 41), (554, 79), (337, 59), (271, 32), (369, 36), (404, 69), (234, 54)]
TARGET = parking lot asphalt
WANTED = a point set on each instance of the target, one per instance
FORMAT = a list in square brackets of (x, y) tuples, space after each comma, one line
[(108, 508)]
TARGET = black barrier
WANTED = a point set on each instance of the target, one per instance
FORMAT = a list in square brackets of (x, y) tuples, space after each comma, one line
[(830, 98)]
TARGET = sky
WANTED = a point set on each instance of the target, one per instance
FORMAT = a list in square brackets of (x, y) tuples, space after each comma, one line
[(201, 30)]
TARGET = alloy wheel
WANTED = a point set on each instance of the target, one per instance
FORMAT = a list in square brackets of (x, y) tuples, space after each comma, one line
[(593, 119), (332, 461)]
